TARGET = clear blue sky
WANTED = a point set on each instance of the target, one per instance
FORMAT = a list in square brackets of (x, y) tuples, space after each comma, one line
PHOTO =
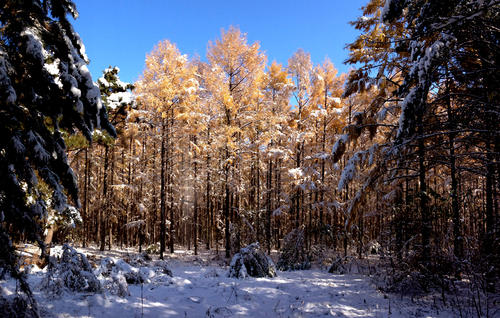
[(121, 32)]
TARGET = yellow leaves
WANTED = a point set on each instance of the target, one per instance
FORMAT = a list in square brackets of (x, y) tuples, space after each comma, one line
[(235, 65), (168, 84), (227, 100), (232, 131)]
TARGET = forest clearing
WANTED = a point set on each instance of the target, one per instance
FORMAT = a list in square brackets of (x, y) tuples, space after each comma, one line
[(199, 287), (231, 184)]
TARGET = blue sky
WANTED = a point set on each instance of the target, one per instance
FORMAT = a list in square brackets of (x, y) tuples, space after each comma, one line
[(121, 32)]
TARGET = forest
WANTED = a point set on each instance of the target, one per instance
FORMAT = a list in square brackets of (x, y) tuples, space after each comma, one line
[(393, 167)]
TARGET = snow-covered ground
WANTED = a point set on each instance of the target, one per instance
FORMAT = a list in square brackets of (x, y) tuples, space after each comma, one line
[(200, 288)]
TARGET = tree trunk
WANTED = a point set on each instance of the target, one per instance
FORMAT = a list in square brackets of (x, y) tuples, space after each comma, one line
[(85, 197), (195, 189), (169, 179), (458, 239), (424, 209), (208, 209), (162, 191), (226, 209), (268, 204), (104, 196)]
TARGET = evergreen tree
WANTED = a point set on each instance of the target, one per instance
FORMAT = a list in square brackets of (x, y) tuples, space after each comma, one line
[(45, 88), (454, 43), (437, 77)]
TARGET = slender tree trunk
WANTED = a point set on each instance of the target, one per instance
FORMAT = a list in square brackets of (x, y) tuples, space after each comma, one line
[(162, 191), (322, 189), (104, 195), (458, 239), (268, 204), (424, 209), (489, 237), (209, 217), (258, 196), (345, 228), (195, 200), (226, 209), (110, 202), (169, 179), (278, 197), (85, 198), (297, 192)]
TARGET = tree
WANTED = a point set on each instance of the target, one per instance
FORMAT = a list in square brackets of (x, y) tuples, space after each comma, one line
[(300, 68), (237, 68), (118, 99), (447, 40), (432, 65), (277, 90), (168, 85), (46, 88), (326, 93)]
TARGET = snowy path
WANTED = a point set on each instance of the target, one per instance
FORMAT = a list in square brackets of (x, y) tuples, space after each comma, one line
[(205, 291)]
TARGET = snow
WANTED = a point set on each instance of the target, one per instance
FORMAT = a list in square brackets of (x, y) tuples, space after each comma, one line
[(103, 81), (116, 100), (322, 155), (296, 173), (279, 211), (76, 92), (93, 92), (350, 169), (276, 153), (52, 68), (336, 100), (200, 288)]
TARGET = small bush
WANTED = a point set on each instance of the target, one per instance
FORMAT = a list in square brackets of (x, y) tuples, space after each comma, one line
[(293, 254), (251, 261)]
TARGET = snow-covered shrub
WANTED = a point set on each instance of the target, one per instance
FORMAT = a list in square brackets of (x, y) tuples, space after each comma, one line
[(111, 278), (72, 272), (117, 275), (131, 273), (161, 267), (237, 267), (251, 261), (118, 285), (293, 254), (105, 267)]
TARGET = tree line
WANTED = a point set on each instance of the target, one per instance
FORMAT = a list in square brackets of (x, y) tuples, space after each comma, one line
[(402, 151)]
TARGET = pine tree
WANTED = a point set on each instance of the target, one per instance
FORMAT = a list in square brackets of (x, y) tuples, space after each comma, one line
[(46, 88), (118, 99), (434, 66), (453, 41)]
